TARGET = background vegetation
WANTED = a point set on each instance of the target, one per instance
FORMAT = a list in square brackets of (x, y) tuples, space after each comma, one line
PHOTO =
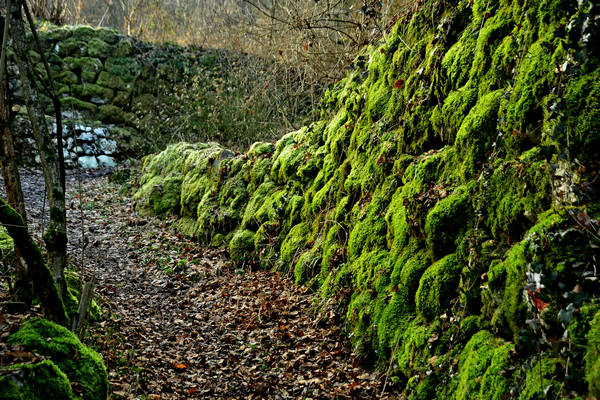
[(277, 58)]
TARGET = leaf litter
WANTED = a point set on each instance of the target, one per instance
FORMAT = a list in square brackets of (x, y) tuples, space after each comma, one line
[(181, 321)]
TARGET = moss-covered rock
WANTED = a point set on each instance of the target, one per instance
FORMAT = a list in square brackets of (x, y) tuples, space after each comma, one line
[(79, 363), (88, 67), (72, 47), (241, 246), (111, 81), (438, 286), (73, 103), (37, 381), (93, 93), (98, 48)]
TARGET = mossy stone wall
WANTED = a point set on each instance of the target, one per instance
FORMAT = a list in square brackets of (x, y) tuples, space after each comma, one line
[(103, 79), (447, 197)]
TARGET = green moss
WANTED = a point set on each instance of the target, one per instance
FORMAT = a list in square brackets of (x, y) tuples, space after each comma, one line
[(71, 47), (404, 282), (126, 68), (579, 131), (87, 67), (160, 195), (112, 81), (456, 107), (260, 149), (450, 141), (98, 48), (260, 206), (108, 35), (35, 382), (241, 247), (531, 84), (477, 132), (293, 245), (444, 224), (84, 33), (79, 363), (69, 103), (483, 368), (289, 156), (113, 114), (307, 266), (125, 47), (438, 286), (92, 92), (413, 353), (6, 246), (592, 357), (66, 77), (542, 380), (56, 34)]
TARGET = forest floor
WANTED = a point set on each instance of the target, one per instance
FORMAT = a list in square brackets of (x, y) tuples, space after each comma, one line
[(180, 321)]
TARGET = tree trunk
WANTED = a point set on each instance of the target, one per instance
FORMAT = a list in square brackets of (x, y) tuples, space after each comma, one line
[(10, 173), (43, 282), (55, 236)]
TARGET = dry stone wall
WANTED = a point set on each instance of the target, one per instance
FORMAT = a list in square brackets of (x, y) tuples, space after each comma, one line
[(105, 82)]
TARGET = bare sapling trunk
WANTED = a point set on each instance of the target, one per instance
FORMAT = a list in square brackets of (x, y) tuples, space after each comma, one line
[(55, 236), (10, 172)]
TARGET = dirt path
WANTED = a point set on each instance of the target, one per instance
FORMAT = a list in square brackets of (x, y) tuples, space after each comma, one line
[(181, 322)]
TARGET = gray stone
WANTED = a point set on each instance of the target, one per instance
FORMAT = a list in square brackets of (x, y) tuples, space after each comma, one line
[(107, 146), (88, 162), (70, 143), (107, 161), (97, 100)]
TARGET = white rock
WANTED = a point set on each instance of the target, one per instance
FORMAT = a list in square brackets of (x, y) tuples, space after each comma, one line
[(89, 149), (107, 161), (38, 159), (78, 150), (108, 146), (70, 143), (82, 128), (100, 132), (86, 137), (88, 162)]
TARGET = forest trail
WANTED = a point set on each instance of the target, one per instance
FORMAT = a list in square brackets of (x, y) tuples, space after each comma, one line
[(181, 322)]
